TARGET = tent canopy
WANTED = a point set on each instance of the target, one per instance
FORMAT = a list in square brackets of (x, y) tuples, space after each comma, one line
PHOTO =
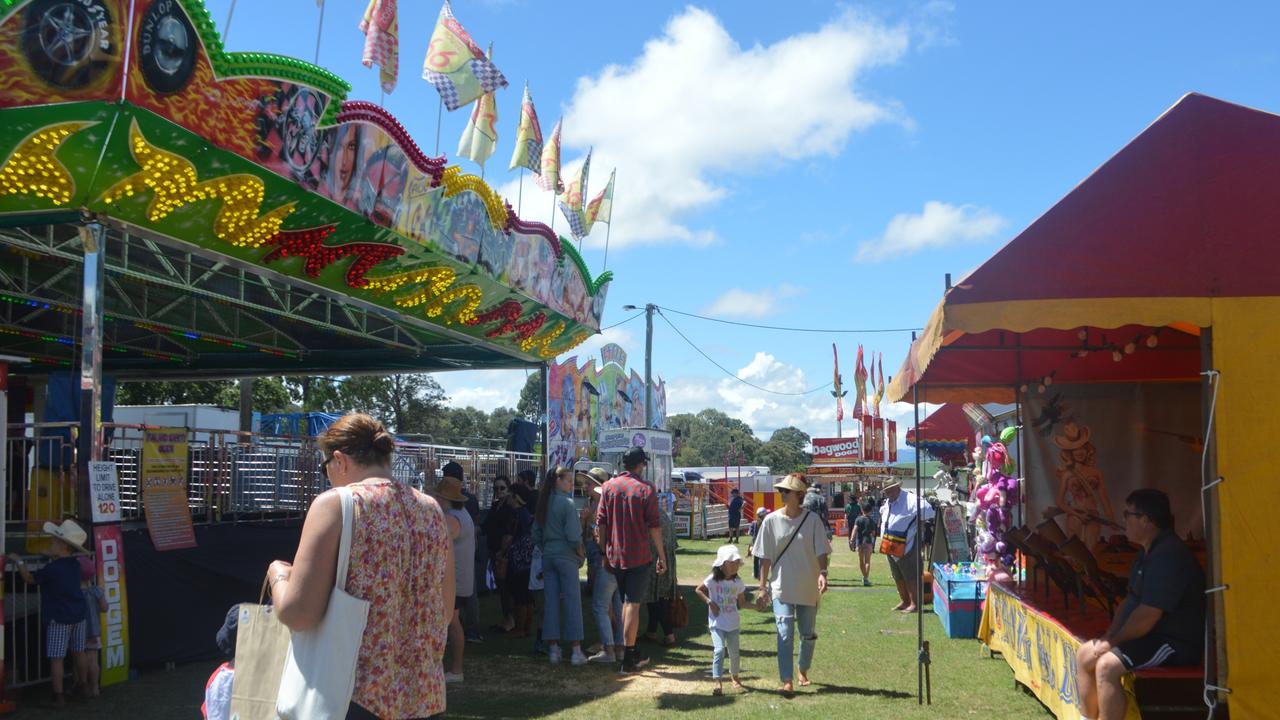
[(1177, 232), (945, 434), (1184, 213)]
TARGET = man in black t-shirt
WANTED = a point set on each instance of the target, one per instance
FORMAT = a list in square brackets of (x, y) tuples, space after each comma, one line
[(735, 515), (1161, 622)]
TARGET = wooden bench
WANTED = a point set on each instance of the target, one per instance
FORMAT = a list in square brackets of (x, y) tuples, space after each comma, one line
[(1172, 693)]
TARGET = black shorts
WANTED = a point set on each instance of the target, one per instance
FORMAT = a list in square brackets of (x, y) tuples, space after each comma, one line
[(633, 583), (459, 601), (1152, 651), (735, 522)]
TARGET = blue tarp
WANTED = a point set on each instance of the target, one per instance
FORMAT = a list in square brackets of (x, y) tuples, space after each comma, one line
[(297, 424)]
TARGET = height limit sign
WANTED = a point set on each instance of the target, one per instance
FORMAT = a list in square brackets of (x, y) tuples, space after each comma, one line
[(104, 489)]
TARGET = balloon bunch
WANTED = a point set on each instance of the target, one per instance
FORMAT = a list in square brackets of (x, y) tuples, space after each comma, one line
[(995, 500)]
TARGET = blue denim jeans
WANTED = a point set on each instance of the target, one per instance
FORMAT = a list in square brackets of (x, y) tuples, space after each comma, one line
[(604, 594), (788, 616), (561, 590), (724, 641)]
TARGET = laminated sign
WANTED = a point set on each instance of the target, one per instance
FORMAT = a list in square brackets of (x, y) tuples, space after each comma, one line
[(164, 488)]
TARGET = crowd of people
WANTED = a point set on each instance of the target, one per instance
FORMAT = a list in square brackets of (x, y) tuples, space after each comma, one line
[(422, 559)]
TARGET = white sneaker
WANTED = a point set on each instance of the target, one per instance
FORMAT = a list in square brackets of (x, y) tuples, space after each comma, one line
[(604, 656), (452, 677), (553, 654), (578, 658)]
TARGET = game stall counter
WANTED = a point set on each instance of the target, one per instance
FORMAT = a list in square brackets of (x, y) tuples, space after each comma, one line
[(959, 590)]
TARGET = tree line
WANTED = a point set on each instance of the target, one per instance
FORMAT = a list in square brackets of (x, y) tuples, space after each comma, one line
[(416, 406), (412, 405)]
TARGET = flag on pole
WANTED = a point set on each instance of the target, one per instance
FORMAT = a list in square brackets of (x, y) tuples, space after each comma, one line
[(837, 391), (549, 178), (572, 206), (381, 30), (880, 385), (528, 153), (860, 385), (480, 137), (456, 66), (600, 209)]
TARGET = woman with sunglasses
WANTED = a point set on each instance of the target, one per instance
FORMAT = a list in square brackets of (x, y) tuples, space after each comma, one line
[(793, 549), (498, 534), (558, 531), (401, 562)]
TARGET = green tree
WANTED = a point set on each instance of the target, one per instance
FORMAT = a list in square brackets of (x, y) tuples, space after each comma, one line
[(269, 394), (163, 392), (315, 393), (707, 436), (409, 403), (530, 404), (784, 451)]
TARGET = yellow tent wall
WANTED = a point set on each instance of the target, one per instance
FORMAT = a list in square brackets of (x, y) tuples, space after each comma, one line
[(1246, 350)]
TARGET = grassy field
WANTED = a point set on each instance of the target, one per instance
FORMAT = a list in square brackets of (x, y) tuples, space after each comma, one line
[(864, 668)]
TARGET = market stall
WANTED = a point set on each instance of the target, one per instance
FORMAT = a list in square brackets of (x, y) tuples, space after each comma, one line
[(1142, 285)]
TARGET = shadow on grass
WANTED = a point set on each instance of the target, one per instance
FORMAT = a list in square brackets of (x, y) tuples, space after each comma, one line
[(829, 689), (689, 703)]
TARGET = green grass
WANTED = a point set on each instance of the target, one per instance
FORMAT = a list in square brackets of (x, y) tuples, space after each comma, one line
[(864, 668)]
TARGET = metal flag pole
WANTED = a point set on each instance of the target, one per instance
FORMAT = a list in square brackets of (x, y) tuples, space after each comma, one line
[(553, 209), (520, 192), (606, 244), (614, 179), (319, 32), (226, 27), (439, 121)]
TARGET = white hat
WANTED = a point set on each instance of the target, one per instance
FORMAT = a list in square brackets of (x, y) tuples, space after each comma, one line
[(727, 553), (69, 532)]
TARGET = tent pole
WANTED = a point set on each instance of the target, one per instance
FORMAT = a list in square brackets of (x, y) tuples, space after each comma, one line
[(922, 650)]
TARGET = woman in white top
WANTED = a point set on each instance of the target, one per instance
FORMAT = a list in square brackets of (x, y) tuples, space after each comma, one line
[(793, 549)]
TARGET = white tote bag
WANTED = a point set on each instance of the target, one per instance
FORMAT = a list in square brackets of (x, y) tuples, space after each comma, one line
[(320, 669)]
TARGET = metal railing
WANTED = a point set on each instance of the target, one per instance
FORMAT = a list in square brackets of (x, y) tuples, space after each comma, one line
[(232, 477)]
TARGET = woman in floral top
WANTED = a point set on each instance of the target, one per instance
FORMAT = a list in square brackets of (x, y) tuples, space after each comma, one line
[(401, 562)]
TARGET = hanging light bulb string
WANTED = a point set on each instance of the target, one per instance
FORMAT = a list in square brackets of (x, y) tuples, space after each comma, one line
[(1117, 350)]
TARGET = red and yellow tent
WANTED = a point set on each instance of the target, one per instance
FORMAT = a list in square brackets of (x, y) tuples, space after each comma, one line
[(1178, 237)]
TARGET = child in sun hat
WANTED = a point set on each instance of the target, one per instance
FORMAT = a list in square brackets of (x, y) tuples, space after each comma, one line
[(61, 602), (724, 593)]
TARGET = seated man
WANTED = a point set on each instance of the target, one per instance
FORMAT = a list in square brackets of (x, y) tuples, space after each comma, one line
[(1161, 622)]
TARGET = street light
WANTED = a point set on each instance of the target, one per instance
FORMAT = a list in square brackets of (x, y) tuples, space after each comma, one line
[(648, 360)]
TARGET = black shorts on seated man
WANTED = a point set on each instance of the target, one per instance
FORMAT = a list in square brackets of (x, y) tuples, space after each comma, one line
[(1160, 623)]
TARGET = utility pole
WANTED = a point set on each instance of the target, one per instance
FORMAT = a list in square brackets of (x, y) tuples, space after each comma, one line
[(649, 309)]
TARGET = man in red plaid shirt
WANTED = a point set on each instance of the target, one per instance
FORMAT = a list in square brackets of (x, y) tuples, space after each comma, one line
[(626, 524)]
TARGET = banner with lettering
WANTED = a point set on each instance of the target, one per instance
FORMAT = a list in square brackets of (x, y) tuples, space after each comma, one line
[(1041, 652), (828, 451), (109, 544), (164, 488)]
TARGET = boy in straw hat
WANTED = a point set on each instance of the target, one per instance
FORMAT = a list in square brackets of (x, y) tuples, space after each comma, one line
[(61, 602)]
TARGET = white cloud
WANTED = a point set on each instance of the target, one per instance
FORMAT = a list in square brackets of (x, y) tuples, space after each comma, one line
[(486, 390), (697, 104), (938, 225), (765, 412), (747, 304)]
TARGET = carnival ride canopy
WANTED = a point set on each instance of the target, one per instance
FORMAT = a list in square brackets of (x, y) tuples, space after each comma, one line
[(945, 434), (1175, 236), (257, 222)]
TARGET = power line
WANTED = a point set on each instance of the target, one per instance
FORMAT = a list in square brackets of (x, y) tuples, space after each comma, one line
[(730, 374), (790, 329), (622, 322)]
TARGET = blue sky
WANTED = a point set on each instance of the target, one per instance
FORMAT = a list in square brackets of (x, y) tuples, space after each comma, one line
[(801, 164)]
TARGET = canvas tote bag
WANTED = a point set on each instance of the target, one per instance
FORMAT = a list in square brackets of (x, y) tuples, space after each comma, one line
[(320, 667), (261, 644)]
